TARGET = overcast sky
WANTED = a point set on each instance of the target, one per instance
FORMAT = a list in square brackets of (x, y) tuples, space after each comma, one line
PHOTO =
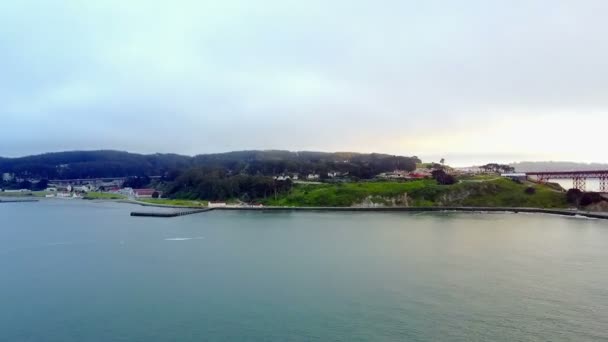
[(471, 81)]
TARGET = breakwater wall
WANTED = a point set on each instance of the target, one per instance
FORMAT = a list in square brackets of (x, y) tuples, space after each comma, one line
[(169, 214), (563, 212), (18, 201)]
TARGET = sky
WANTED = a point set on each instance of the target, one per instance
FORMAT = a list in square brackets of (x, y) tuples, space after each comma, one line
[(471, 81)]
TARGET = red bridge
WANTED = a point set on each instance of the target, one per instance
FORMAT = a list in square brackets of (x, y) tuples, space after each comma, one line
[(579, 178)]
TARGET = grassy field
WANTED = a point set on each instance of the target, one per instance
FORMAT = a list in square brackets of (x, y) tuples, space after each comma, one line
[(345, 194), (501, 193), (178, 202), (24, 194), (103, 196), (491, 193)]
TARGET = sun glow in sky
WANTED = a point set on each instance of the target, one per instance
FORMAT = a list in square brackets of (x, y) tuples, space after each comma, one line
[(471, 81)]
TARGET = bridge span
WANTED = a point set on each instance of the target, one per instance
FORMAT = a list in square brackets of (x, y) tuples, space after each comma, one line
[(579, 178)]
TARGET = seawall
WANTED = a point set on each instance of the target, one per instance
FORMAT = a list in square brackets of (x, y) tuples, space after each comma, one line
[(563, 212), (18, 201), (169, 214)]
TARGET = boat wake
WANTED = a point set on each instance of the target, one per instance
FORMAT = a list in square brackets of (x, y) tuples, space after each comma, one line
[(184, 238)]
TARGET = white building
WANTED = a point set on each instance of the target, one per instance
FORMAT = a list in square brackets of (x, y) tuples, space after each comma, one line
[(83, 188), (217, 205), (312, 176), (515, 176), (127, 192)]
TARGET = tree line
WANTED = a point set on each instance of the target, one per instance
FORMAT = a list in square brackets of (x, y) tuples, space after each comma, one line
[(101, 164), (217, 184)]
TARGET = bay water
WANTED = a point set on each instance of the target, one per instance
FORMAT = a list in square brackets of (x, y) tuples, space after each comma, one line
[(73, 270)]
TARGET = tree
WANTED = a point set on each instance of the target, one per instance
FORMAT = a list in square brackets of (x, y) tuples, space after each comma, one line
[(136, 182), (443, 178), (155, 194), (530, 190), (498, 168), (41, 185), (442, 161), (25, 185), (589, 198), (573, 196)]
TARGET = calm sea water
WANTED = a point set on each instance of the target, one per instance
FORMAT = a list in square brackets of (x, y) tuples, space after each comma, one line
[(83, 271), (591, 184)]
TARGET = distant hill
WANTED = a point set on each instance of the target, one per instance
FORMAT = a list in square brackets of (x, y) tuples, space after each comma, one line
[(557, 166), (108, 163)]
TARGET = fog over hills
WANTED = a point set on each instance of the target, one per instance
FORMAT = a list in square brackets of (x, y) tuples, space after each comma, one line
[(529, 166)]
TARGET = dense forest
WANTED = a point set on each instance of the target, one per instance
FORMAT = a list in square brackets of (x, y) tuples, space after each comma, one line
[(215, 184), (245, 175), (99, 164)]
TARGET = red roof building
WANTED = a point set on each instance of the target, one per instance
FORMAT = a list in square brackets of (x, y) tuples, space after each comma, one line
[(144, 193)]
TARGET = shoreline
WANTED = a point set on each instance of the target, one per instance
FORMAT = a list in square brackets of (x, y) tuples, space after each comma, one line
[(188, 210)]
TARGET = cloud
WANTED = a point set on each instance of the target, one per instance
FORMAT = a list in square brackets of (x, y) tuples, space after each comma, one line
[(404, 77)]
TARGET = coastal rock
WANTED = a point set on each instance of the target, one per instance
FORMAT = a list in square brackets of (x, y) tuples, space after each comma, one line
[(383, 201), (600, 206)]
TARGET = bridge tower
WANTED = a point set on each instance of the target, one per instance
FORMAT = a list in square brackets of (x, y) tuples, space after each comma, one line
[(604, 183), (580, 183)]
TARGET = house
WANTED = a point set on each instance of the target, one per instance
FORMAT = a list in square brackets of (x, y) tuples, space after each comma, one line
[(83, 188), (397, 174), (472, 170), (414, 175), (127, 192), (515, 176), (216, 204), (144, 193), (312, 176)]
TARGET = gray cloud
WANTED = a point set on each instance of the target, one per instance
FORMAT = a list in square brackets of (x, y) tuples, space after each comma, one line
[(432, 78)]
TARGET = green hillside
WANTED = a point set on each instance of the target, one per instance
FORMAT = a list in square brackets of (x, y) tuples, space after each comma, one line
[(494, 193)]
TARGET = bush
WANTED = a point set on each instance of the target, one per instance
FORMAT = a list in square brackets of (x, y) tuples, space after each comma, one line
[(530, 190), (573, 196), (589, 198), (443, 178)]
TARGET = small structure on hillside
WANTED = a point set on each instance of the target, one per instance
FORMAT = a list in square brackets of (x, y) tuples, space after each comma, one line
[(515, 176), (144, 193)]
